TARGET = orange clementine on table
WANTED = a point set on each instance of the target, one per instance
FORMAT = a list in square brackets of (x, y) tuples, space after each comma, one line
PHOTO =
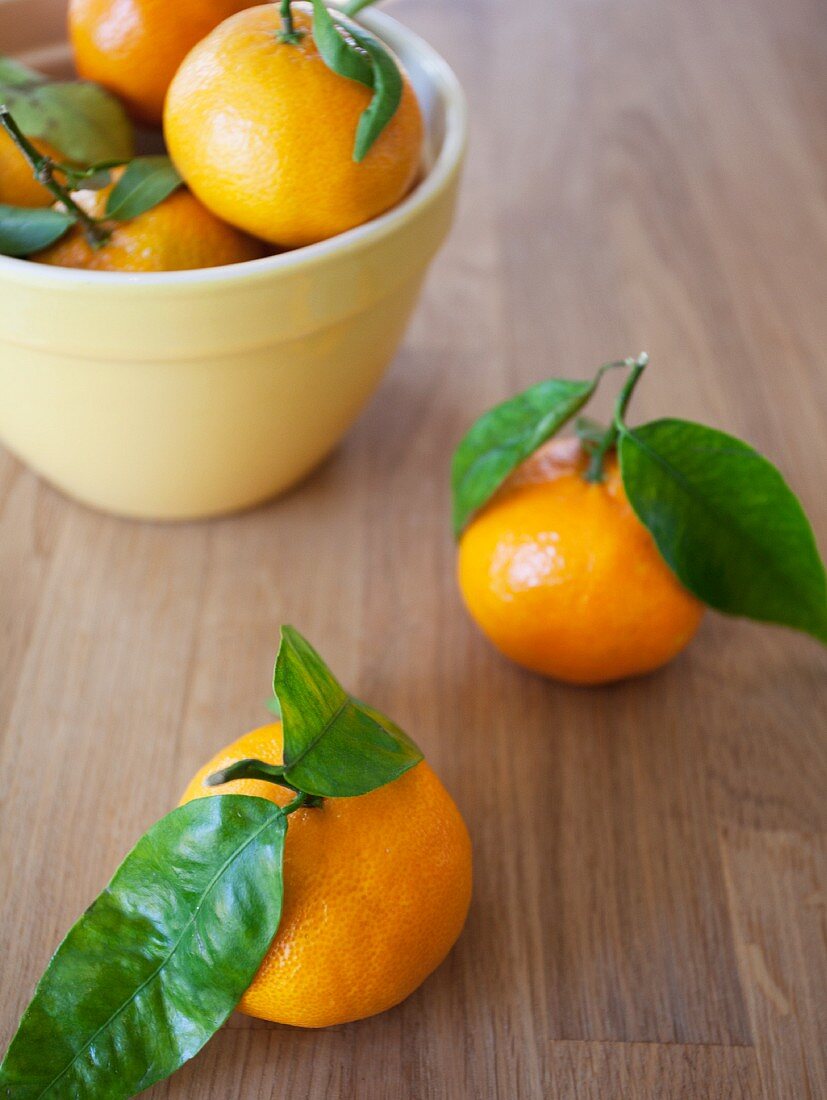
[(376, 891), (178, 234), (563, 578), (263, 132), (133, 47)]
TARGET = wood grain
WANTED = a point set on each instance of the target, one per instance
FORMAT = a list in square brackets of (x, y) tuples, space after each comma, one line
[(777, 884), (648, 918)]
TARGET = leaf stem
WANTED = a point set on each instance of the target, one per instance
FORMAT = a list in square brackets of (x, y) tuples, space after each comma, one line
[(250, 769), (638, 366), (288, 32), (308, 801), (594, 473), (44, 169), (266, 773)]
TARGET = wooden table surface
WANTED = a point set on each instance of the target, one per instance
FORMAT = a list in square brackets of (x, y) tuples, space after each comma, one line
[(651, 889)]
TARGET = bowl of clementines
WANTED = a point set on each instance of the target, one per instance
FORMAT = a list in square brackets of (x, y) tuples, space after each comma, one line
[(189, 333)]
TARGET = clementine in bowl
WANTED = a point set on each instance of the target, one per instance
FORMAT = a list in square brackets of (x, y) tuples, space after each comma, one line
[(179, 234), (133, 47), (263, 131)]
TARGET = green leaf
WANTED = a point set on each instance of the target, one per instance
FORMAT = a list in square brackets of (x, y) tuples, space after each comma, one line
[(505, 436), (81, 120), (726, 522), (387, 95), (160, 959), (334, 746), (359, 56), (25, 230), (145, 183), (338, 49)]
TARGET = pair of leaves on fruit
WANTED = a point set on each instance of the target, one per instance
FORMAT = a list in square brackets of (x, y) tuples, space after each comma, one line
[(146, 182), (721, 515), (334, 745), (159, 961), (353, 53)]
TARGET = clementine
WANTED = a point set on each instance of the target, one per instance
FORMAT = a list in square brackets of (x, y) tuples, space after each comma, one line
[(564, 579), (376, 891), (176, 235), (133, 47), (263, 132)]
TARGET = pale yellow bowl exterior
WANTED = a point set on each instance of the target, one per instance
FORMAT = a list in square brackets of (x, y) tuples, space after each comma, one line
[(191, 394)]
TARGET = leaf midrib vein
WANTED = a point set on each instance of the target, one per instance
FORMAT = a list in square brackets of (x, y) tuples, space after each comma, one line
[(151, 977), (333, 718), (144, 185), (691, 491)]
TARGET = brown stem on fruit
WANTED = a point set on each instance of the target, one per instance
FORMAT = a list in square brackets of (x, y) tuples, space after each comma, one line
[(43, 169)]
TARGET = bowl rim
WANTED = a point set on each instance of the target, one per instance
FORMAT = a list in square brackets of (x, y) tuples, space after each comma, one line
[(445, 83)]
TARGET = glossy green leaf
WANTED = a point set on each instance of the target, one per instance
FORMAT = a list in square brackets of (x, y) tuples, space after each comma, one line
[(160, 959), (334, 745), (726, 522), (357, 55), (338, 49), (79, 119), (387, 94), (505, 436), (24, 230), (145, 183)]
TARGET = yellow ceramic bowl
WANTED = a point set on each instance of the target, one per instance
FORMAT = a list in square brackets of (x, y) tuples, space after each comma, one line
[(188, 394)]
